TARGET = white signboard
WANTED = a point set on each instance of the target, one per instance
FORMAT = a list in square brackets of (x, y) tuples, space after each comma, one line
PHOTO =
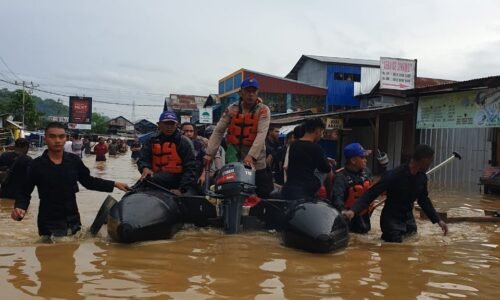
[(397, 73), (206, 115), (79, 126), (185, 119)]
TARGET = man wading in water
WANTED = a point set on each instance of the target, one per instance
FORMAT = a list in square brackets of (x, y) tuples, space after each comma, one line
[(56, 173), (403, 184)]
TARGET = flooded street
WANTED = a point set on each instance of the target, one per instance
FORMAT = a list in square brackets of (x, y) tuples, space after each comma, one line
[(205, 263)]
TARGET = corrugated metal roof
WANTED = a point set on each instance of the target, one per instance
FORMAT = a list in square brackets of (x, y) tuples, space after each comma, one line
[(188, 102), (345, 61), (279, 85), (116, 120), (491, 81), (424, 81), (284, 79), (331, 60), (298, 119)]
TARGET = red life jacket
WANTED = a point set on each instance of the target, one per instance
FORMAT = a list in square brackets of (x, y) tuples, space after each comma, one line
[(166, 158), (355, 190), (243, 127)]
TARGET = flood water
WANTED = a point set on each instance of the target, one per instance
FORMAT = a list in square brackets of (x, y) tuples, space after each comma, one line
[(206, 264)]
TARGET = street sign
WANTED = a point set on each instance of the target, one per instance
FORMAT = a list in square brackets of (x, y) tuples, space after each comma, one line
[(334, 123), (397, 73), (206, 115)]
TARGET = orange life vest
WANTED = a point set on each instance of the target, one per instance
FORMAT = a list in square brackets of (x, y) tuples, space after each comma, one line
[(356, 190), (243, 128), (166, 158)]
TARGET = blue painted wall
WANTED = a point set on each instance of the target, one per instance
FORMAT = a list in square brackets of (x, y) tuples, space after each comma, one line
[(341, 91)]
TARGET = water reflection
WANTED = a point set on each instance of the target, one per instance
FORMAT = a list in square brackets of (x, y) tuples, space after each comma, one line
[(57, 272)]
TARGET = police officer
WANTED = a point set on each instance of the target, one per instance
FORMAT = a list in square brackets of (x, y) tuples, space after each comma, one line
[(352, 182), (247, 123), (403, 185), (168, 156)]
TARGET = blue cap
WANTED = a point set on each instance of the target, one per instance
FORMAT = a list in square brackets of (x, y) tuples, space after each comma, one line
[(168, 116), (355, 149), (250, 82)]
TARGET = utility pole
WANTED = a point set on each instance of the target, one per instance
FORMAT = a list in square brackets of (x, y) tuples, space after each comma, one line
[(23, 84), (133, 111)]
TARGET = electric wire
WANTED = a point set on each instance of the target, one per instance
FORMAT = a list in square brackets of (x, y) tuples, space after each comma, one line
[(8, 68), (96, 101)]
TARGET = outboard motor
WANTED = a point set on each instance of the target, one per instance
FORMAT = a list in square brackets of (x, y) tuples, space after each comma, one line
[(234, 182), (315, 227), (144, 215)]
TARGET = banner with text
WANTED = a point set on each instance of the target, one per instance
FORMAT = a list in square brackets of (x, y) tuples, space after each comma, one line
[(470, 109), (80, 112), (397, 73)]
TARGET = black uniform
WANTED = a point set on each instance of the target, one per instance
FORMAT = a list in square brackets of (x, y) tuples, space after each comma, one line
[(18, 165), (402, 189), (275, 149), (343, 182), (304, 158), (57, 185), (184, 181)]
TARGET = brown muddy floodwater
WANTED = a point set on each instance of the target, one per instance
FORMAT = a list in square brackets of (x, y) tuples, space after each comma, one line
[(206, 264)]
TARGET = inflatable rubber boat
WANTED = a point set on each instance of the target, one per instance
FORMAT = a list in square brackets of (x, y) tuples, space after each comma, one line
[(151, 212)]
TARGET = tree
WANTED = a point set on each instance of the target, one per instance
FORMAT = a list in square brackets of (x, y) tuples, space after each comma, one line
[(15, 108), (99, 123)]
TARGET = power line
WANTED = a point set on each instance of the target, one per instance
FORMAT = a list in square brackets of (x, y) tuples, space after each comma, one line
[(108, 90), (89, 88), (96, 101), (3, 75), (8, 68)]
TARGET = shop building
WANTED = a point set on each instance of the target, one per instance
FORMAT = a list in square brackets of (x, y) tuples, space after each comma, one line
[(280, 94)]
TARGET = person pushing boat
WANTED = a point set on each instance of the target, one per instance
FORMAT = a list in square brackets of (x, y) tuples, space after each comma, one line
[(56, 173), (403, 185)]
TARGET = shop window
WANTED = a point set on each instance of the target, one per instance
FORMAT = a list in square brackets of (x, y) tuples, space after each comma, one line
[(229, 84), (347, 76), (221, 87), (237, 80)]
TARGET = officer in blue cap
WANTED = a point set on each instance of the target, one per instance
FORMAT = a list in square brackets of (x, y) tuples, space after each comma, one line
[(352, 182), (168, 156), (247, 122), (403, 185)]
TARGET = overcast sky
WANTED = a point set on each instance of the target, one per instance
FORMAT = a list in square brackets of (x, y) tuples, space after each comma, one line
[(121, 51)]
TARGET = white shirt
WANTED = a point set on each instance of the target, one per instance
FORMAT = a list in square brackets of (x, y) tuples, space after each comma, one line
[(67, 146)]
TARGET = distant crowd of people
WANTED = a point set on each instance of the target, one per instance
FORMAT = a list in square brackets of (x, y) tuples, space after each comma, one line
[(112, 146)]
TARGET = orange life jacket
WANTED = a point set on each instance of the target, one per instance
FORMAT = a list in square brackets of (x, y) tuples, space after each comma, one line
[(355, 190), (166, 158), (243, 127)]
